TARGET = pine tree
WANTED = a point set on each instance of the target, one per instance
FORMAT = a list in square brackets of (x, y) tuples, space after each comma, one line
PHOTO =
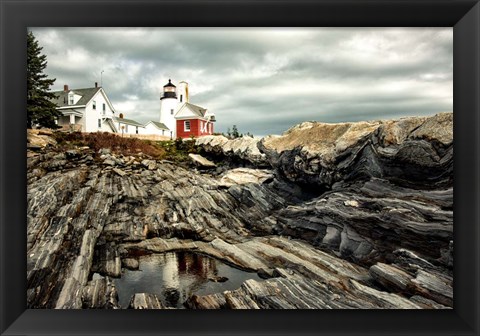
[(235, 133), (40, 109)]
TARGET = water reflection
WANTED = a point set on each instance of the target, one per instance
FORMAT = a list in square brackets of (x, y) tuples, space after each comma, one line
[(175, 276)]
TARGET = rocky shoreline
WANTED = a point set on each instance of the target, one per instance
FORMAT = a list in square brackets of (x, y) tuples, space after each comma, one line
[(355, 215)]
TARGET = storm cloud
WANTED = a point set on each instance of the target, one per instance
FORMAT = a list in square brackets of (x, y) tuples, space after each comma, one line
[(264, 80)]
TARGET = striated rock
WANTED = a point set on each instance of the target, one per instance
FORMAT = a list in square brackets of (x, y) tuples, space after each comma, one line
[(107, 260), (219, 249), (292, 291), (426, 303), (213, 301), (96, 203), (245, 175), (436, 129), (368, 221), (119, 172), (354, 215), (305, 277), (145, 301), (434, 286), (243, 148), (325, 141), (100, 294), (200, 161), (213, 143), (386, 300), (390, 277), (109, 162), (31, 147), (447, 255), (149, 164), (409, 151), (37, 139), (70, 294)]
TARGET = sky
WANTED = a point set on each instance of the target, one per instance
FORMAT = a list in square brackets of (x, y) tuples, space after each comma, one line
[(263, 80)]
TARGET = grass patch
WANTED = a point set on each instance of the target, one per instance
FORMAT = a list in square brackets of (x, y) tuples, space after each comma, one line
[(173, 150), (178, 150)]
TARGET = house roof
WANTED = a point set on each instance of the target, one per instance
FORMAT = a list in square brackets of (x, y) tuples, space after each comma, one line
[(127, 121), (61, 97), (158, 125), (195, 110)]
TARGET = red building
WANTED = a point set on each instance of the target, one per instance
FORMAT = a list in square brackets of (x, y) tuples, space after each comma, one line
[(193, 121)]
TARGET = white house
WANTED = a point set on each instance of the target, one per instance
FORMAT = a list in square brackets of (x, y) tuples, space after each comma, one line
[(128, 126), (85, 110), (156, 128)]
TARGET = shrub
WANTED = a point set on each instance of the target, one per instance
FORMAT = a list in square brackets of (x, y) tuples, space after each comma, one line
[(64, 137), (177, 150), (117, 144)]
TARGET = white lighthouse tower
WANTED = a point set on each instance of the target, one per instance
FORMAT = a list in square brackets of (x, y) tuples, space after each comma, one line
[(168, 107)]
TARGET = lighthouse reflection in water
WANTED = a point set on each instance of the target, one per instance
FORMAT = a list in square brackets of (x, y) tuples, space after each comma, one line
[(175, 276)]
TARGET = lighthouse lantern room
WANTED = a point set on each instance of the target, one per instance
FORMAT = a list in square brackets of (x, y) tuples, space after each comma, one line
[(169, 90)]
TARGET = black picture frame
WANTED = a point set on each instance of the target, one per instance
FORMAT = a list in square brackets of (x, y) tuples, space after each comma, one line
[(463, 16)]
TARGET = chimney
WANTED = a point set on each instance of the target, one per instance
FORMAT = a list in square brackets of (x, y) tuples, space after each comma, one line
[(96, 84), (65, 88)]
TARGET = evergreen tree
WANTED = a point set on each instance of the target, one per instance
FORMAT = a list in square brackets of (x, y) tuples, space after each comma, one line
[(235, 133), (40, 109)]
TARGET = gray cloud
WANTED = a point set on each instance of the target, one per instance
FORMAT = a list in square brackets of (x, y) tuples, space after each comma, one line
[(262, 80)]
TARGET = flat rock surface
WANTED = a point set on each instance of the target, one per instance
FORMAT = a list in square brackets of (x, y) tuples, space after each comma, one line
[(201, 161), (245, 175)]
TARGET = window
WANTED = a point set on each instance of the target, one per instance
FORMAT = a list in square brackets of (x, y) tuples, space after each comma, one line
[(181, 98), (70, 100), (171, 111), (136, 129), (201, 126), (99, 123), (94, 105), (104, 108), (126, 128), (163, 132), (187, 125)]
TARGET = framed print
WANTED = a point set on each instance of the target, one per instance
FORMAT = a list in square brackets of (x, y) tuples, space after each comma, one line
[(292, 167)]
